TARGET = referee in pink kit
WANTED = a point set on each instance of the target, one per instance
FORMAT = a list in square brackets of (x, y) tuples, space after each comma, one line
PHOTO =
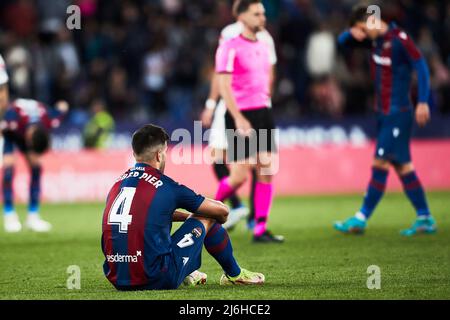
[(244, 69)]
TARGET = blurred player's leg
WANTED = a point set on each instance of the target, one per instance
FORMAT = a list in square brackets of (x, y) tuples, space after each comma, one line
[(374, 193), (221, 171), (218, 142), (11, 220), (228, 186), (35, 189), (34, 221), (263, 200), (251, 216), (415, 193)]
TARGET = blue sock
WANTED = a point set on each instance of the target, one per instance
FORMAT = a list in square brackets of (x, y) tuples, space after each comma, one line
[(35, 189), (218, 244), (8, 205), (375, 191), (414, 191)]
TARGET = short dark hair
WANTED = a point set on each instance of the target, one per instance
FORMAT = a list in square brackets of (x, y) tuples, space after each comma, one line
[(147, 138), (360, 14), (240, 6), (40, 140)]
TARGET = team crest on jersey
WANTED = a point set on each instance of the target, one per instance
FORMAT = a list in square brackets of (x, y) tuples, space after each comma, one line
[(387, 45), (197, 232)]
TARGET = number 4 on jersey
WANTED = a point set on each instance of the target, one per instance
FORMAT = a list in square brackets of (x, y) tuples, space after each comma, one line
[(120, 210), (186, 241)]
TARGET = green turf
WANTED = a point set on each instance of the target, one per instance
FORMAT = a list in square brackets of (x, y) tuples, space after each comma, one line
[(315, 262)]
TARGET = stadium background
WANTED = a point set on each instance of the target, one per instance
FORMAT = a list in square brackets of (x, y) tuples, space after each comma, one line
[(151, 61)]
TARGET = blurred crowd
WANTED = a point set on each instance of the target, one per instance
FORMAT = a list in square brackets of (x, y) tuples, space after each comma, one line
[(147, 59)]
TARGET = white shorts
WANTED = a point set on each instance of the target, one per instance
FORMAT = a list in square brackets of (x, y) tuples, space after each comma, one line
[(217, 137)]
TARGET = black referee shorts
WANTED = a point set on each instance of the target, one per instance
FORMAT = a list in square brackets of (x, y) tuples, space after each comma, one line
[(262, 138)]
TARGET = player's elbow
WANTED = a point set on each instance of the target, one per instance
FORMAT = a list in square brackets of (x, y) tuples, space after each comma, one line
[(222, 212)]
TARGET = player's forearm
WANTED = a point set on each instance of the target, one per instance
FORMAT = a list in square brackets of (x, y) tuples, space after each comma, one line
[(214, 92), (227, 95), (214, 210), (179, 216), (272, 79), (423, 77)]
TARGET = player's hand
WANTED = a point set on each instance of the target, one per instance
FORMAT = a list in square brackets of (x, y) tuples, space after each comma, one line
[(243, 126), (357, 34), (206, 117), (422, 114), (62, 106)]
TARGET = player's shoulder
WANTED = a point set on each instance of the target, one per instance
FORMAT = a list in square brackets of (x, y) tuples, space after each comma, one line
[(400, 34), (231, 31), (23, 103)]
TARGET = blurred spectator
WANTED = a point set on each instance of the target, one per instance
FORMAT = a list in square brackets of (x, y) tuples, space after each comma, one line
[(156, 68), (97, 131), (148, 57)]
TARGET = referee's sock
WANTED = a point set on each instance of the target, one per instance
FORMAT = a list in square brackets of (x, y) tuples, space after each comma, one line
[(8, 204), (263, 202), (218, 244), (414, 191)]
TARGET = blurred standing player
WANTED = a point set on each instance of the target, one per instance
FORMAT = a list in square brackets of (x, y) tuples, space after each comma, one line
[(214, 115), (394, 56), (26, 126), (140, 253), (245, 73)]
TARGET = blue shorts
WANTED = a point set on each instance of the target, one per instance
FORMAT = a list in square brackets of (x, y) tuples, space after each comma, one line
[(394, 135), (185, 258), (11, 142)]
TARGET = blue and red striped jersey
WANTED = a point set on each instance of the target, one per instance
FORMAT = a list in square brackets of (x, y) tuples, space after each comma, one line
[(394, 57), (23, 112), (137, 222)]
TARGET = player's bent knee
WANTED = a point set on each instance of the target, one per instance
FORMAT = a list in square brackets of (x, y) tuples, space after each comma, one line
[(207, 222), (403, 169), (381, 164)]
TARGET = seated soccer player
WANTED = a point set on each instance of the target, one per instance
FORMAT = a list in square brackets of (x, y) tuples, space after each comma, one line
[(26, 126), (140, 253)]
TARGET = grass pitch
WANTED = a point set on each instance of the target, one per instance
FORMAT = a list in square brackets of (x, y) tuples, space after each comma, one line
[(315, 262)]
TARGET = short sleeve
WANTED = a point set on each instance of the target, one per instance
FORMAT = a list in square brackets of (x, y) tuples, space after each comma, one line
[(412, 52), (225, 57), (187, 199)]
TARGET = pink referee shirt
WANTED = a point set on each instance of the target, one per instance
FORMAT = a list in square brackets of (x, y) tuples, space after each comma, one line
[(249, 64)]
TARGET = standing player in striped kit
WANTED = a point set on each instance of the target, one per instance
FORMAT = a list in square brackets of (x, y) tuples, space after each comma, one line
[(394, 57), (244, 73), (214, 115), (26, 126)]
